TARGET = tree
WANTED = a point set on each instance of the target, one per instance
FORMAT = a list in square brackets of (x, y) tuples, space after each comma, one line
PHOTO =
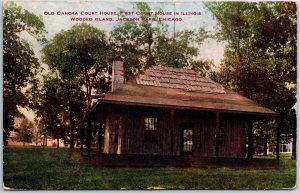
[(260, 56), (134, 42), (59, 107), (72, 112), (81, 53), (38, 131), (25, 133), (144, 43), (203, 67), (50, 107), (81, 57), (19, 61)]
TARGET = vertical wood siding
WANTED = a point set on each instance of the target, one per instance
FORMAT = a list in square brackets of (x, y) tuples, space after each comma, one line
[(233, 139), (131, 133), (204, 139)]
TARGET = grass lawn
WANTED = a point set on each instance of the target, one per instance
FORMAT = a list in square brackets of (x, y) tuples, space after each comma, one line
[(46, 168)]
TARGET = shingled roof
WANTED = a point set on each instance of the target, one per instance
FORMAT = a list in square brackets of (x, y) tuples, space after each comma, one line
[(178, 78), (183, 89)]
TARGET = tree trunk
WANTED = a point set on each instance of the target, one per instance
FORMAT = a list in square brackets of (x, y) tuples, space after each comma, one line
[(44, 140), (81, 139), (88, 145), (57, 142), (294, 150), (4, 138), (265, 148), (5, 130), (277, 141), (71, 127)]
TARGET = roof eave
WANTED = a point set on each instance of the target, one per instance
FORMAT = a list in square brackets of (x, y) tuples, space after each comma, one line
[(269, 114)]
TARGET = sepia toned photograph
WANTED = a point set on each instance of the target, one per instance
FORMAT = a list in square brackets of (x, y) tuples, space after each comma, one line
[(169, 95)]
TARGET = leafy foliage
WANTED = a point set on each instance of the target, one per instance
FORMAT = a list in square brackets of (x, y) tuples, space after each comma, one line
[(19, 62), (60, 108), (50, 107), (25, 133), (260, 56), (146, 43), (80, 56), (81, 53), (257, 57)]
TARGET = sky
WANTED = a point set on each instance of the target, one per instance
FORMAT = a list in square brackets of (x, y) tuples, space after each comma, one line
[(210, 49), (51, 13)]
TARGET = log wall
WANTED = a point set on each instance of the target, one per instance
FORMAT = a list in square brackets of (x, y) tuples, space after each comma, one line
[(125, 132), (233, 138)]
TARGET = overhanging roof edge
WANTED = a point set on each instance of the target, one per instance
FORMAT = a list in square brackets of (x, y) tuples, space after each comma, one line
[(272, 113)]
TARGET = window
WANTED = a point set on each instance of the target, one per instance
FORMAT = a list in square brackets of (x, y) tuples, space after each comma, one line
[(150, 124), (150, 134), (187, 133), (187, 140)]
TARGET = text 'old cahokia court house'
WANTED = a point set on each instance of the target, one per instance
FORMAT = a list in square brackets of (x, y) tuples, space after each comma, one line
[(171, 117)]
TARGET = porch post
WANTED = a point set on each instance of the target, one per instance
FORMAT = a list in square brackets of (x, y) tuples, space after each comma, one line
[(172, 119), (217, 134), (100, 130), (250, 140), (88, 145)]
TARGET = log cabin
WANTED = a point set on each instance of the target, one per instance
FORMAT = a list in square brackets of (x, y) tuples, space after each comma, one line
[(172, 117)]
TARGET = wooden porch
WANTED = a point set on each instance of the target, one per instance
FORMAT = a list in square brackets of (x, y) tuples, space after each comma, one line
[(132, 160)]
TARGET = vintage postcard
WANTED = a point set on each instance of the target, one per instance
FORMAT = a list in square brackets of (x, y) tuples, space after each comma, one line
[(159, 95)]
